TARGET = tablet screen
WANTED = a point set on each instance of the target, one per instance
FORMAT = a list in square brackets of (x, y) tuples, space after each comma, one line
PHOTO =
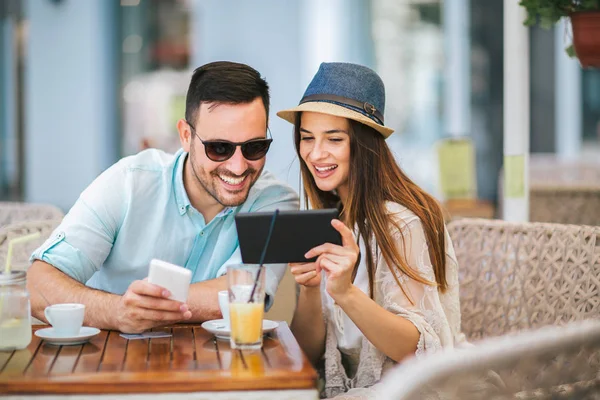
[(294, 233)]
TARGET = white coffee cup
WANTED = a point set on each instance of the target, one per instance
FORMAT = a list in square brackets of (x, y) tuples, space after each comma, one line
[(224, 305), (66, 319)]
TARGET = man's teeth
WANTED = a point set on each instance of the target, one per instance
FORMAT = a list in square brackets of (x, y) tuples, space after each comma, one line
[(323, 169), (232, 181)]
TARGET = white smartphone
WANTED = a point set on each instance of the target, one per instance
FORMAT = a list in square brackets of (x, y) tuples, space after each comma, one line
[(172, 277)]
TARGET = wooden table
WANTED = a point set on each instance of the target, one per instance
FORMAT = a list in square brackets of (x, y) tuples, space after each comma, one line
[(192, 360)]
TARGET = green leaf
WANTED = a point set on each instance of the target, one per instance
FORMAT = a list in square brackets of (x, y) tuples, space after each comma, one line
[(548, 12), (589, 5), (571, 51)]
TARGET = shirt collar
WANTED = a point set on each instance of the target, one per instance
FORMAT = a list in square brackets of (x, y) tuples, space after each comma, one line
[(226, 211), (181, 197)]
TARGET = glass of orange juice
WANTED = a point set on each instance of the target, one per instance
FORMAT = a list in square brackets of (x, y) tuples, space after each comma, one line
[(246, 284), (247, 363)]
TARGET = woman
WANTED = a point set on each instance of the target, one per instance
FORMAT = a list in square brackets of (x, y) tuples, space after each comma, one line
[(391, 290)]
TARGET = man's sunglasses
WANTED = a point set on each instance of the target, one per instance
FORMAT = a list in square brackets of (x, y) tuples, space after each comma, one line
[(223, 150)]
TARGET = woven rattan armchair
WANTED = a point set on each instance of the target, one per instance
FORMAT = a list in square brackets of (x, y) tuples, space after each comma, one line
[(521, 276), (22, 251), (549, 363), (12, 212)]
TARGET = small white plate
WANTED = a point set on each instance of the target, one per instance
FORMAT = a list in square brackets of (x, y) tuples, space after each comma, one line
[(220, 328), (51, 337)]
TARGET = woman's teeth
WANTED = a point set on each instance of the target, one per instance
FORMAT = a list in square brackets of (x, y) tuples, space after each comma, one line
[(323, 169)]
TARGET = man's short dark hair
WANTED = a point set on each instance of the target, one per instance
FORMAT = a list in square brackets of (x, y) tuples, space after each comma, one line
[(227, 83)]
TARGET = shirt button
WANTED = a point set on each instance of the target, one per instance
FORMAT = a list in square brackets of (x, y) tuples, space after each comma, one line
[(201, 233)]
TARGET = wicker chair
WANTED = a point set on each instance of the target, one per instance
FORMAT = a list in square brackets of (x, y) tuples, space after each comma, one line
[(515, 277), (549, 363), (11, 213), (22, 251)]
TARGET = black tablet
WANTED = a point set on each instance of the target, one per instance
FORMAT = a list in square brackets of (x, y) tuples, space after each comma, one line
[(294, 233)]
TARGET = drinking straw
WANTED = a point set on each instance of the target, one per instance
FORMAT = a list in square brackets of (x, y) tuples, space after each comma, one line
[(263, 254), (14, 241)]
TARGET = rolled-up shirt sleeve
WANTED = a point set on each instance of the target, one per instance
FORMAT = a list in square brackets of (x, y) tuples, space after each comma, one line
[(82, 242)]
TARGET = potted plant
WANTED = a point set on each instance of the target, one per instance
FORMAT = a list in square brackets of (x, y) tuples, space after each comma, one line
[(585, 20)]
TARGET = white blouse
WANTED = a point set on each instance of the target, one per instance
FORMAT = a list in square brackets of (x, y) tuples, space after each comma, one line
[(436, 315)]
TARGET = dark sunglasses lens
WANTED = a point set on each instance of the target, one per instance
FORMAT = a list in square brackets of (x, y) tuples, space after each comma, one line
[(256, 149), (219, 151)]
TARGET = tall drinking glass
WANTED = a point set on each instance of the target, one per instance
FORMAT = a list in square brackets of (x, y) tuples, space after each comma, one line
[(246, 305), (15, 311)]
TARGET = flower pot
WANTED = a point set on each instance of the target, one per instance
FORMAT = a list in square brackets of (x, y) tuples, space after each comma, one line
[(586, 37)]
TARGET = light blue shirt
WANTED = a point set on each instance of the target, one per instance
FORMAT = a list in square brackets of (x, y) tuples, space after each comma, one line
[(138, 210)]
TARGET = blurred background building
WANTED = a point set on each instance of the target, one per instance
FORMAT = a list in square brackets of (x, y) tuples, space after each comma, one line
[(85, 82)]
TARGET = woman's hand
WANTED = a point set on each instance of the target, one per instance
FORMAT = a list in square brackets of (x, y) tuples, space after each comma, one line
[(306, 274), (337, 261)]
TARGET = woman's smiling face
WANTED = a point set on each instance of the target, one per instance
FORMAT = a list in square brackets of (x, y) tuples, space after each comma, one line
[(325, 148)]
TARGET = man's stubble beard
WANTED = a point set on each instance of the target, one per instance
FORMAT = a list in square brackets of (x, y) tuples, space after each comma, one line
[(210, 186)]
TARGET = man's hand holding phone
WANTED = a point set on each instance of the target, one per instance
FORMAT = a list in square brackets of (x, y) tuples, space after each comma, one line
[(155, 301), (146, 305)]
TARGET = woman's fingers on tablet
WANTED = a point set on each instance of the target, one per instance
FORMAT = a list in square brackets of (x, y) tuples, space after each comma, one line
[(325, 248), (307, 274), (302, 268), (329, 266), (304, 278), (318, 268), (348, 239), (296, 264), (331, 262)]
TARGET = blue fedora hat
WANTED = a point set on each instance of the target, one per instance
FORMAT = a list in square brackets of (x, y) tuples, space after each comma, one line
[(344, 90)]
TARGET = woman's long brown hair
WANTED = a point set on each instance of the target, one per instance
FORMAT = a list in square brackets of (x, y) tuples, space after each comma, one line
[(375, 178)]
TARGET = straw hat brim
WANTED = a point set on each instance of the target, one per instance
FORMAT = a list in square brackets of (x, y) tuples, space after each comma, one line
[(324, 107)]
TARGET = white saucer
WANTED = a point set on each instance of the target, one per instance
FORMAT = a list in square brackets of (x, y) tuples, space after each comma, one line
[(220, 328), (50, 336)]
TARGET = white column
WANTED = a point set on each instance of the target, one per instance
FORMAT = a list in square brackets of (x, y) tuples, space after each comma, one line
[(567, 103), (70, 93), (516, 113), (323, 33), (457, 94)]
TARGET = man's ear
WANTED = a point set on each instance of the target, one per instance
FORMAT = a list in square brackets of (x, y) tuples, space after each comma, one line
[(185, 134)]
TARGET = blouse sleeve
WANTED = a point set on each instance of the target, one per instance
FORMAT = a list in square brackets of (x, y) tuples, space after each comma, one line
[(419, 303)]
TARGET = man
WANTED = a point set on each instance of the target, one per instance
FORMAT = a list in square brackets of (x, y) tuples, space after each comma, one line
[(178, 208)]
